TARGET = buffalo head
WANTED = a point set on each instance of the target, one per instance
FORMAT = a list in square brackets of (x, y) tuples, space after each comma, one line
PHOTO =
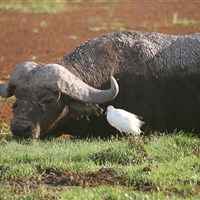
[(47, 93)]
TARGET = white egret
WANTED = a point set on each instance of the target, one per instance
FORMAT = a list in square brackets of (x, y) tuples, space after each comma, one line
[(124, 121)]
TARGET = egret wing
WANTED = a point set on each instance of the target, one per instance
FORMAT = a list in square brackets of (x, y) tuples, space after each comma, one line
[(128, 117)]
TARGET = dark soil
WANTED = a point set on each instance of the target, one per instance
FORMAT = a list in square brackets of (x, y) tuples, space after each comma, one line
[(105, 176), (58, 179), (48, 37)]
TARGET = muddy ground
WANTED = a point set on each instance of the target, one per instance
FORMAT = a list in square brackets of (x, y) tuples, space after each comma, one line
[(48, 37)]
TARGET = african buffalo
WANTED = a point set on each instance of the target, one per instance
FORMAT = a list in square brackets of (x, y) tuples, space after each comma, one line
[(158, 77)]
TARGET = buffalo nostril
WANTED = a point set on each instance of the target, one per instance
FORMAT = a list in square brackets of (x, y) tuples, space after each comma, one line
[(22, 128), (26, 130)]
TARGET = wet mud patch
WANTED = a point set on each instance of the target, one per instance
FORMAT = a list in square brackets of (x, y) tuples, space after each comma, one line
[(61, 177)]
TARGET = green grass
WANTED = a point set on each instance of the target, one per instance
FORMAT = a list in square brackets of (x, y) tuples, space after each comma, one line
[(168, 164), (114, 26), (48, 6), (36, 6), (177, 21)]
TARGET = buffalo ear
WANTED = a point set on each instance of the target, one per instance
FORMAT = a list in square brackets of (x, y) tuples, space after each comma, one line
[(3, 90), (10, 90)]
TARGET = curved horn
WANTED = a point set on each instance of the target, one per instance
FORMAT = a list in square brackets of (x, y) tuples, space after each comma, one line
[(21, 75), (58, 78)]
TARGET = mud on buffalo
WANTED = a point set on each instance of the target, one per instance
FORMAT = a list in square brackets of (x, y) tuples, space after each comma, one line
[(153, 75)]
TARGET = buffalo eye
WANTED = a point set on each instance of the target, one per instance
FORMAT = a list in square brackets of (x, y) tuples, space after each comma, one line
[(44, 102), (47, 100)]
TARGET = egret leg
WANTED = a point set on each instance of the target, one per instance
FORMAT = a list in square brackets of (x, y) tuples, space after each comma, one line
[(121, 133)]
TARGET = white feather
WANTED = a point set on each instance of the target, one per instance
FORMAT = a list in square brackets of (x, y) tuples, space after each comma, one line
[(124, 121)]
